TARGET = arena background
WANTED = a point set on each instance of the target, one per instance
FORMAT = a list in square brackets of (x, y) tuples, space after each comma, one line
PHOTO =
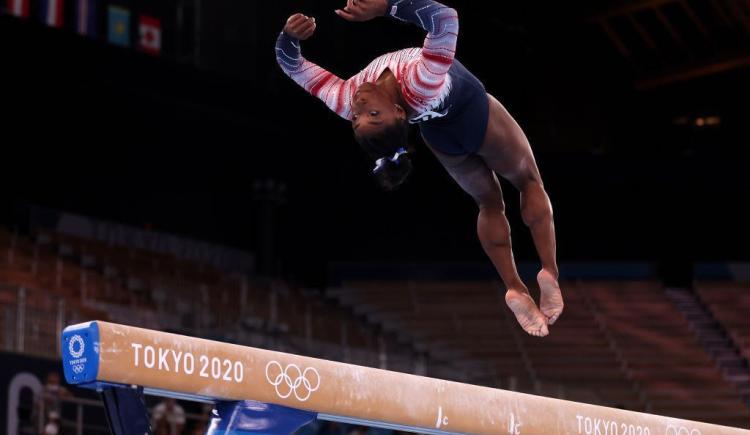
[(199, 149)]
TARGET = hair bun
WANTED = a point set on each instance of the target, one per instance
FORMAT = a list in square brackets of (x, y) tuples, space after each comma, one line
[(388, 149), (393, 172)]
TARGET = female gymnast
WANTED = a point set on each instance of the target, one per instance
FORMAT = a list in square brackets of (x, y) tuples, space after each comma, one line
[(470, 132)]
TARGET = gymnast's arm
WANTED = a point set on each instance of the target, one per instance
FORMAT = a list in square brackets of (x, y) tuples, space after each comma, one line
[(425, 78), (317, 81)]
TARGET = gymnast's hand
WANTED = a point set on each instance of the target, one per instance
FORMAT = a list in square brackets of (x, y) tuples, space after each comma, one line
[(363, 10), (300, 26)]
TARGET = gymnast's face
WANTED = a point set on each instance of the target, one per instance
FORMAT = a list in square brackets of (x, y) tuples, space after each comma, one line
[(373, 109)]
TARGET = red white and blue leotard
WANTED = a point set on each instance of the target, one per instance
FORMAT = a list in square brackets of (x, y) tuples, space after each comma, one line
[(451, 104)]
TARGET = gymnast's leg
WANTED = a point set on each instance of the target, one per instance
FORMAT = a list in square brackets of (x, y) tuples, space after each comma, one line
[(473, 175), (536, 211), (507, 151)]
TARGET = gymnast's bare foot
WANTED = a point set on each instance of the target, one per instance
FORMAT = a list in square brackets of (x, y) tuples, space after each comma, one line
[(551, 300), (528, 315)]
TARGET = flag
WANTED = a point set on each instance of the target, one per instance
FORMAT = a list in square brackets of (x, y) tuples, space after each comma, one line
[(119, 26), (149, 29), (19, 8), (51, 12), (87, 18)]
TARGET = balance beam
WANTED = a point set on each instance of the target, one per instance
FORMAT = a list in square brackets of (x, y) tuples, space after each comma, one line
[(102, 355)]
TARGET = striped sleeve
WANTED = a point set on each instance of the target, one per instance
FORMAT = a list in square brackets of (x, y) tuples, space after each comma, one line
[(326, 86), (427, 77)]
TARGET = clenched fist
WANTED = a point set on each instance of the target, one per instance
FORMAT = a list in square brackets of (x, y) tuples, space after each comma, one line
[(300, 26)]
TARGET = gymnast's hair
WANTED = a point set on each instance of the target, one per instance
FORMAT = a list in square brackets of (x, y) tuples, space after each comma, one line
[(389, 149)]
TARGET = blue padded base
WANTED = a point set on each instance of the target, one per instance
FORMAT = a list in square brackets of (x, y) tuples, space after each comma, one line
[(250, 417)]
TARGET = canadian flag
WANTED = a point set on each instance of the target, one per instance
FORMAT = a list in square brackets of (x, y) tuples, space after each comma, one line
[(19, 8), (150, 31)]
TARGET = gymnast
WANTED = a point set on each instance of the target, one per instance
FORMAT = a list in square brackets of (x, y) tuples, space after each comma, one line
[(469, 131)]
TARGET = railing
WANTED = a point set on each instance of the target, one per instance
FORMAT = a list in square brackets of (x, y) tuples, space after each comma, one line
[(79, 422), (32, 320)]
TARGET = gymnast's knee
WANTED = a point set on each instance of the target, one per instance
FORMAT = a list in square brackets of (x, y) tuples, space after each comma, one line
[(490, 205)]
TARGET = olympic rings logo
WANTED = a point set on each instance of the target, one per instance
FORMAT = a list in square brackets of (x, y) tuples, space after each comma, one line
[(674, 430), (76, 353), (292, 380), (78, 369)]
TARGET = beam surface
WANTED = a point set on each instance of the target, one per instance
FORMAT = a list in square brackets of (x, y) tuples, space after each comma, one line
[(101, 353)]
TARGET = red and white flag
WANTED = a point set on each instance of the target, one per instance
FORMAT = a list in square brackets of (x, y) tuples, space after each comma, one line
[(150, 31), (19, 8)]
